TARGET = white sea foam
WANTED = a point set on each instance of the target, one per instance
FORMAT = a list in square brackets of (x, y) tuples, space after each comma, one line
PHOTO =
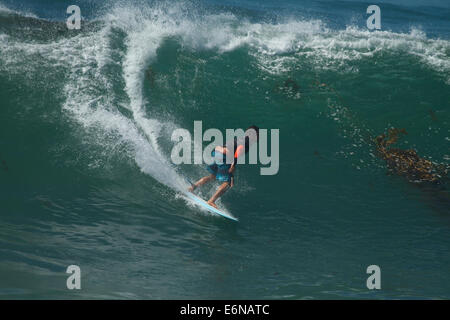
[(4, 9), (90, 98), (275, 46), (100, 111)]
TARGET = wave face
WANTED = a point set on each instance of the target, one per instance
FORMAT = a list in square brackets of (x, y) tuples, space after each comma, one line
[(85, 170)]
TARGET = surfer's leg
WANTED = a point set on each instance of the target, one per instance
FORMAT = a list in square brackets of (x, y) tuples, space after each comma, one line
[(201, 182), (220, 191)]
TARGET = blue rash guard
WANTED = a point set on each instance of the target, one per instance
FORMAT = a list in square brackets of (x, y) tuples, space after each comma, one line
[(220, 168)]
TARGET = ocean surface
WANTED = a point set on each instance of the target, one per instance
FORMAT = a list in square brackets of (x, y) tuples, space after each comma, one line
[(86, 178)]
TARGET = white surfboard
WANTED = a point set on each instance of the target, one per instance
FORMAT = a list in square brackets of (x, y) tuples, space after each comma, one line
[(205, 205)]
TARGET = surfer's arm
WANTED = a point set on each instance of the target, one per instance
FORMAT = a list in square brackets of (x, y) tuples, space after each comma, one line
[(237, 154)]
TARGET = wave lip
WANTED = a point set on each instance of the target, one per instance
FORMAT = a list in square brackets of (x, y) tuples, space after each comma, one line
[(6, 11), (275, 46)]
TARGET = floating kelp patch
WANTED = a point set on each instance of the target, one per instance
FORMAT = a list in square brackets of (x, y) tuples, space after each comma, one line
[(289, 88), (3, 165), (406, 162), (317, 154), (432, 114), (151, 76)]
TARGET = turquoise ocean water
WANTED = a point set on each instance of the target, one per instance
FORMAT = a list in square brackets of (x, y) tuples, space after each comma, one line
[(86, 118)]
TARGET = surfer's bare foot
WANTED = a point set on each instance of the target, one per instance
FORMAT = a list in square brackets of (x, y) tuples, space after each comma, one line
[(191, 188), (212, 204)]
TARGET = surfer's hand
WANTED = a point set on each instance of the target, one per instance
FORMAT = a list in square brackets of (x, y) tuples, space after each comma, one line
[(232, 182)]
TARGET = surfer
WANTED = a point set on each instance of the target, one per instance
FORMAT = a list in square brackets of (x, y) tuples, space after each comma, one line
[(221, 169)]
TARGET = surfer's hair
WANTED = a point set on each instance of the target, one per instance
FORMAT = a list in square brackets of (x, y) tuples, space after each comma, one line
[(250, 137), (256, 130)]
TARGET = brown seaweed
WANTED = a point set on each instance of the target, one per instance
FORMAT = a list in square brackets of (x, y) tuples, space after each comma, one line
[(151, 76), (407, 163), (433, 115), (290, 88), (4, 165)]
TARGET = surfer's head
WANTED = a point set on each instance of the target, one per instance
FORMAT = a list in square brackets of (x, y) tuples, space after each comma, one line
[(253, 129), (251, 136)]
